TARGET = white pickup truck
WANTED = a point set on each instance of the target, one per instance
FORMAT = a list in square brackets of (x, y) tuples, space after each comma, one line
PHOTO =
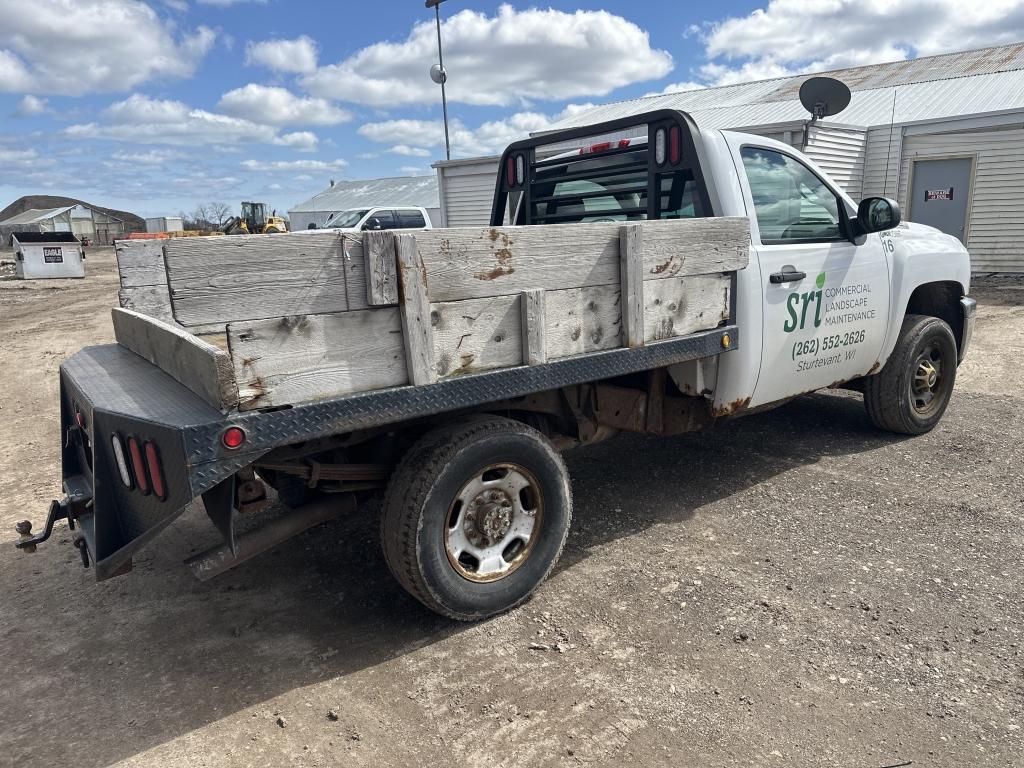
[(638, 275)]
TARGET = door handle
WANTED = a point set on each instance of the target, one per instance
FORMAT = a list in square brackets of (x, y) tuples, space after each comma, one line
[(787, 275)]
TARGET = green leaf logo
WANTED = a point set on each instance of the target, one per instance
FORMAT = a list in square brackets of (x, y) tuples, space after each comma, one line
[(820, 282)]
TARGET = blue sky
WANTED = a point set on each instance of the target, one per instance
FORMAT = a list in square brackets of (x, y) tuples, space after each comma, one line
[(156, 106)]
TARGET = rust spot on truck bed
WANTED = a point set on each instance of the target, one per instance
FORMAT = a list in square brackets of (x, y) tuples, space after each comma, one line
[(874, 367), (732, 408)]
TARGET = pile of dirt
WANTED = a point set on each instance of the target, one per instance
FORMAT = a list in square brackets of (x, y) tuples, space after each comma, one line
[(30, 202)]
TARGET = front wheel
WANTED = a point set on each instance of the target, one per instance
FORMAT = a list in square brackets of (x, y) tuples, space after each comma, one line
[(910, 394), (475, 516)]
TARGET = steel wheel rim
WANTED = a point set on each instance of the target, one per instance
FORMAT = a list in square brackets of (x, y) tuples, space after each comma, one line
[(928, 380), (493, 523)]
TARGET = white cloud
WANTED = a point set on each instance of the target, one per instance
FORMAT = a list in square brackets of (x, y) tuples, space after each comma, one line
[(413, 170), (150, 158), (32, 106), (687, 85), (488, 138), (295, 56), (142, 120), (294, 165), (407, 151), (89, 46), (791, 36), (273, 105), (509, 58)]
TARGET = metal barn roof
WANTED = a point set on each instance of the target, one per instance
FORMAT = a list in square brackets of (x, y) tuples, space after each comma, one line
[(34, 215), (927, 88), (402, 190)]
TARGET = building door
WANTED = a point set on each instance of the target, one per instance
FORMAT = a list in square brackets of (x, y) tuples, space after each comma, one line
[(941, 195)]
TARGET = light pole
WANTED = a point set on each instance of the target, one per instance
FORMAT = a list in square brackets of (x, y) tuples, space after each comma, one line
[(438, 75)]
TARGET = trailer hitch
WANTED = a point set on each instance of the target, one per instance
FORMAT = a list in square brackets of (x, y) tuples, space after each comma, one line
[(59, 510)]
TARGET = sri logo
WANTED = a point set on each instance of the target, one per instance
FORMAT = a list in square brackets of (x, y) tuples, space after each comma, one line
[(798, 305)]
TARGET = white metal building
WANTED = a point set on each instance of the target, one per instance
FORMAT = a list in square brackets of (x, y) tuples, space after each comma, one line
[(952, 122), (419, 191), (79, 220)]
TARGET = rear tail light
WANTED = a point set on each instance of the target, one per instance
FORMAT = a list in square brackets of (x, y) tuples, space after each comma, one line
[(155, 471), (674, 145), (659, 146), (120, 460), (510, 171), (520, 169), (135, 451)]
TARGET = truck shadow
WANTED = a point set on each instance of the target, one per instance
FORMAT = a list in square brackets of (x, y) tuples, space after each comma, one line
[(106, 671)]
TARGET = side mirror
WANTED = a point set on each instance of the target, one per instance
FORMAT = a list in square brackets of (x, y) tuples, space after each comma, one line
[(373, 223), (876, 214)]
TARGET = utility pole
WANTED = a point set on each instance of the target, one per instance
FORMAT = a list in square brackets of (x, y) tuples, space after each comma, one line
[(438, 74)]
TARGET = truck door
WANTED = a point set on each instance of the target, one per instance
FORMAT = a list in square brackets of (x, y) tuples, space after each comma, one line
[(825, 298)]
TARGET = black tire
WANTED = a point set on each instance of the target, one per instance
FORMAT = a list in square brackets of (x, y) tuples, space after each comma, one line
[(898, 398), (422, 510)]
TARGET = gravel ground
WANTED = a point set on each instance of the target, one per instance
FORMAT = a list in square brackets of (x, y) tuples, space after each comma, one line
[(795, 588)]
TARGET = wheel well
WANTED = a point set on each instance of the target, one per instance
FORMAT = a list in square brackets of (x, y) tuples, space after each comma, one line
[(941, 300)]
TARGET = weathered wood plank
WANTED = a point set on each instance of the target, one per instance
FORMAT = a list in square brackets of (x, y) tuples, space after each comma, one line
[(473, 262), (381, 269), (140, 262), (682, 305), (582, 320), (477, 335), (677, 247), (631, 268), (227, 279), (533, 323), (152, 300), (202, 367), (302, 358), (249, 277), (415, 312)]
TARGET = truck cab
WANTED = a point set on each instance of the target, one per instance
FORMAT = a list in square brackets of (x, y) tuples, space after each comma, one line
[(378, 218), (830, 284)]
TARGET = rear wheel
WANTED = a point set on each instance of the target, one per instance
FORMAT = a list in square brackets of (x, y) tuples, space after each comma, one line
[(911, 392), (475, 516)]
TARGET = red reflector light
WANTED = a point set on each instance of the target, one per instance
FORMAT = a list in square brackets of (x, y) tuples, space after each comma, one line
[(138, 467), (233, 437), (674, 146), (79, 419), (155, 472), (510, 178), (604, 146)]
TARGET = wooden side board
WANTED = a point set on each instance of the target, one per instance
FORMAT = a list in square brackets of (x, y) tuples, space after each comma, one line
[(250, 277), (202, 367), (303, 358)]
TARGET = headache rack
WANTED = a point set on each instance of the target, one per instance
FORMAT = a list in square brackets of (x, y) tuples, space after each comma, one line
[(644, 167)]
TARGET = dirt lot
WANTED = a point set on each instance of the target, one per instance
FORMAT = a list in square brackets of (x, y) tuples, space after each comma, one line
[(793, 589)]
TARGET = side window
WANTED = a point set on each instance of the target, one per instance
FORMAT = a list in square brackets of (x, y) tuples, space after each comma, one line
[(791, 203), (410, 219), (381, 220)]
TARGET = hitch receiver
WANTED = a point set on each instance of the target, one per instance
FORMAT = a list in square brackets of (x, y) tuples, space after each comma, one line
[(59, 510)]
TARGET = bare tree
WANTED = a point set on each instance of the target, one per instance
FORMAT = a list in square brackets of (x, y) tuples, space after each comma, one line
[(218, 212)]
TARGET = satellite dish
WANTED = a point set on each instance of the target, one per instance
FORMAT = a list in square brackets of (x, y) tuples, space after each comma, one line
[(824, 96), (438, 74)]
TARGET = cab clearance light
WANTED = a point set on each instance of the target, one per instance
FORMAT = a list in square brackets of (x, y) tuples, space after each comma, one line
[(140, 469), (119, 459), (155, 472), (233, 437), (604, 146)]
